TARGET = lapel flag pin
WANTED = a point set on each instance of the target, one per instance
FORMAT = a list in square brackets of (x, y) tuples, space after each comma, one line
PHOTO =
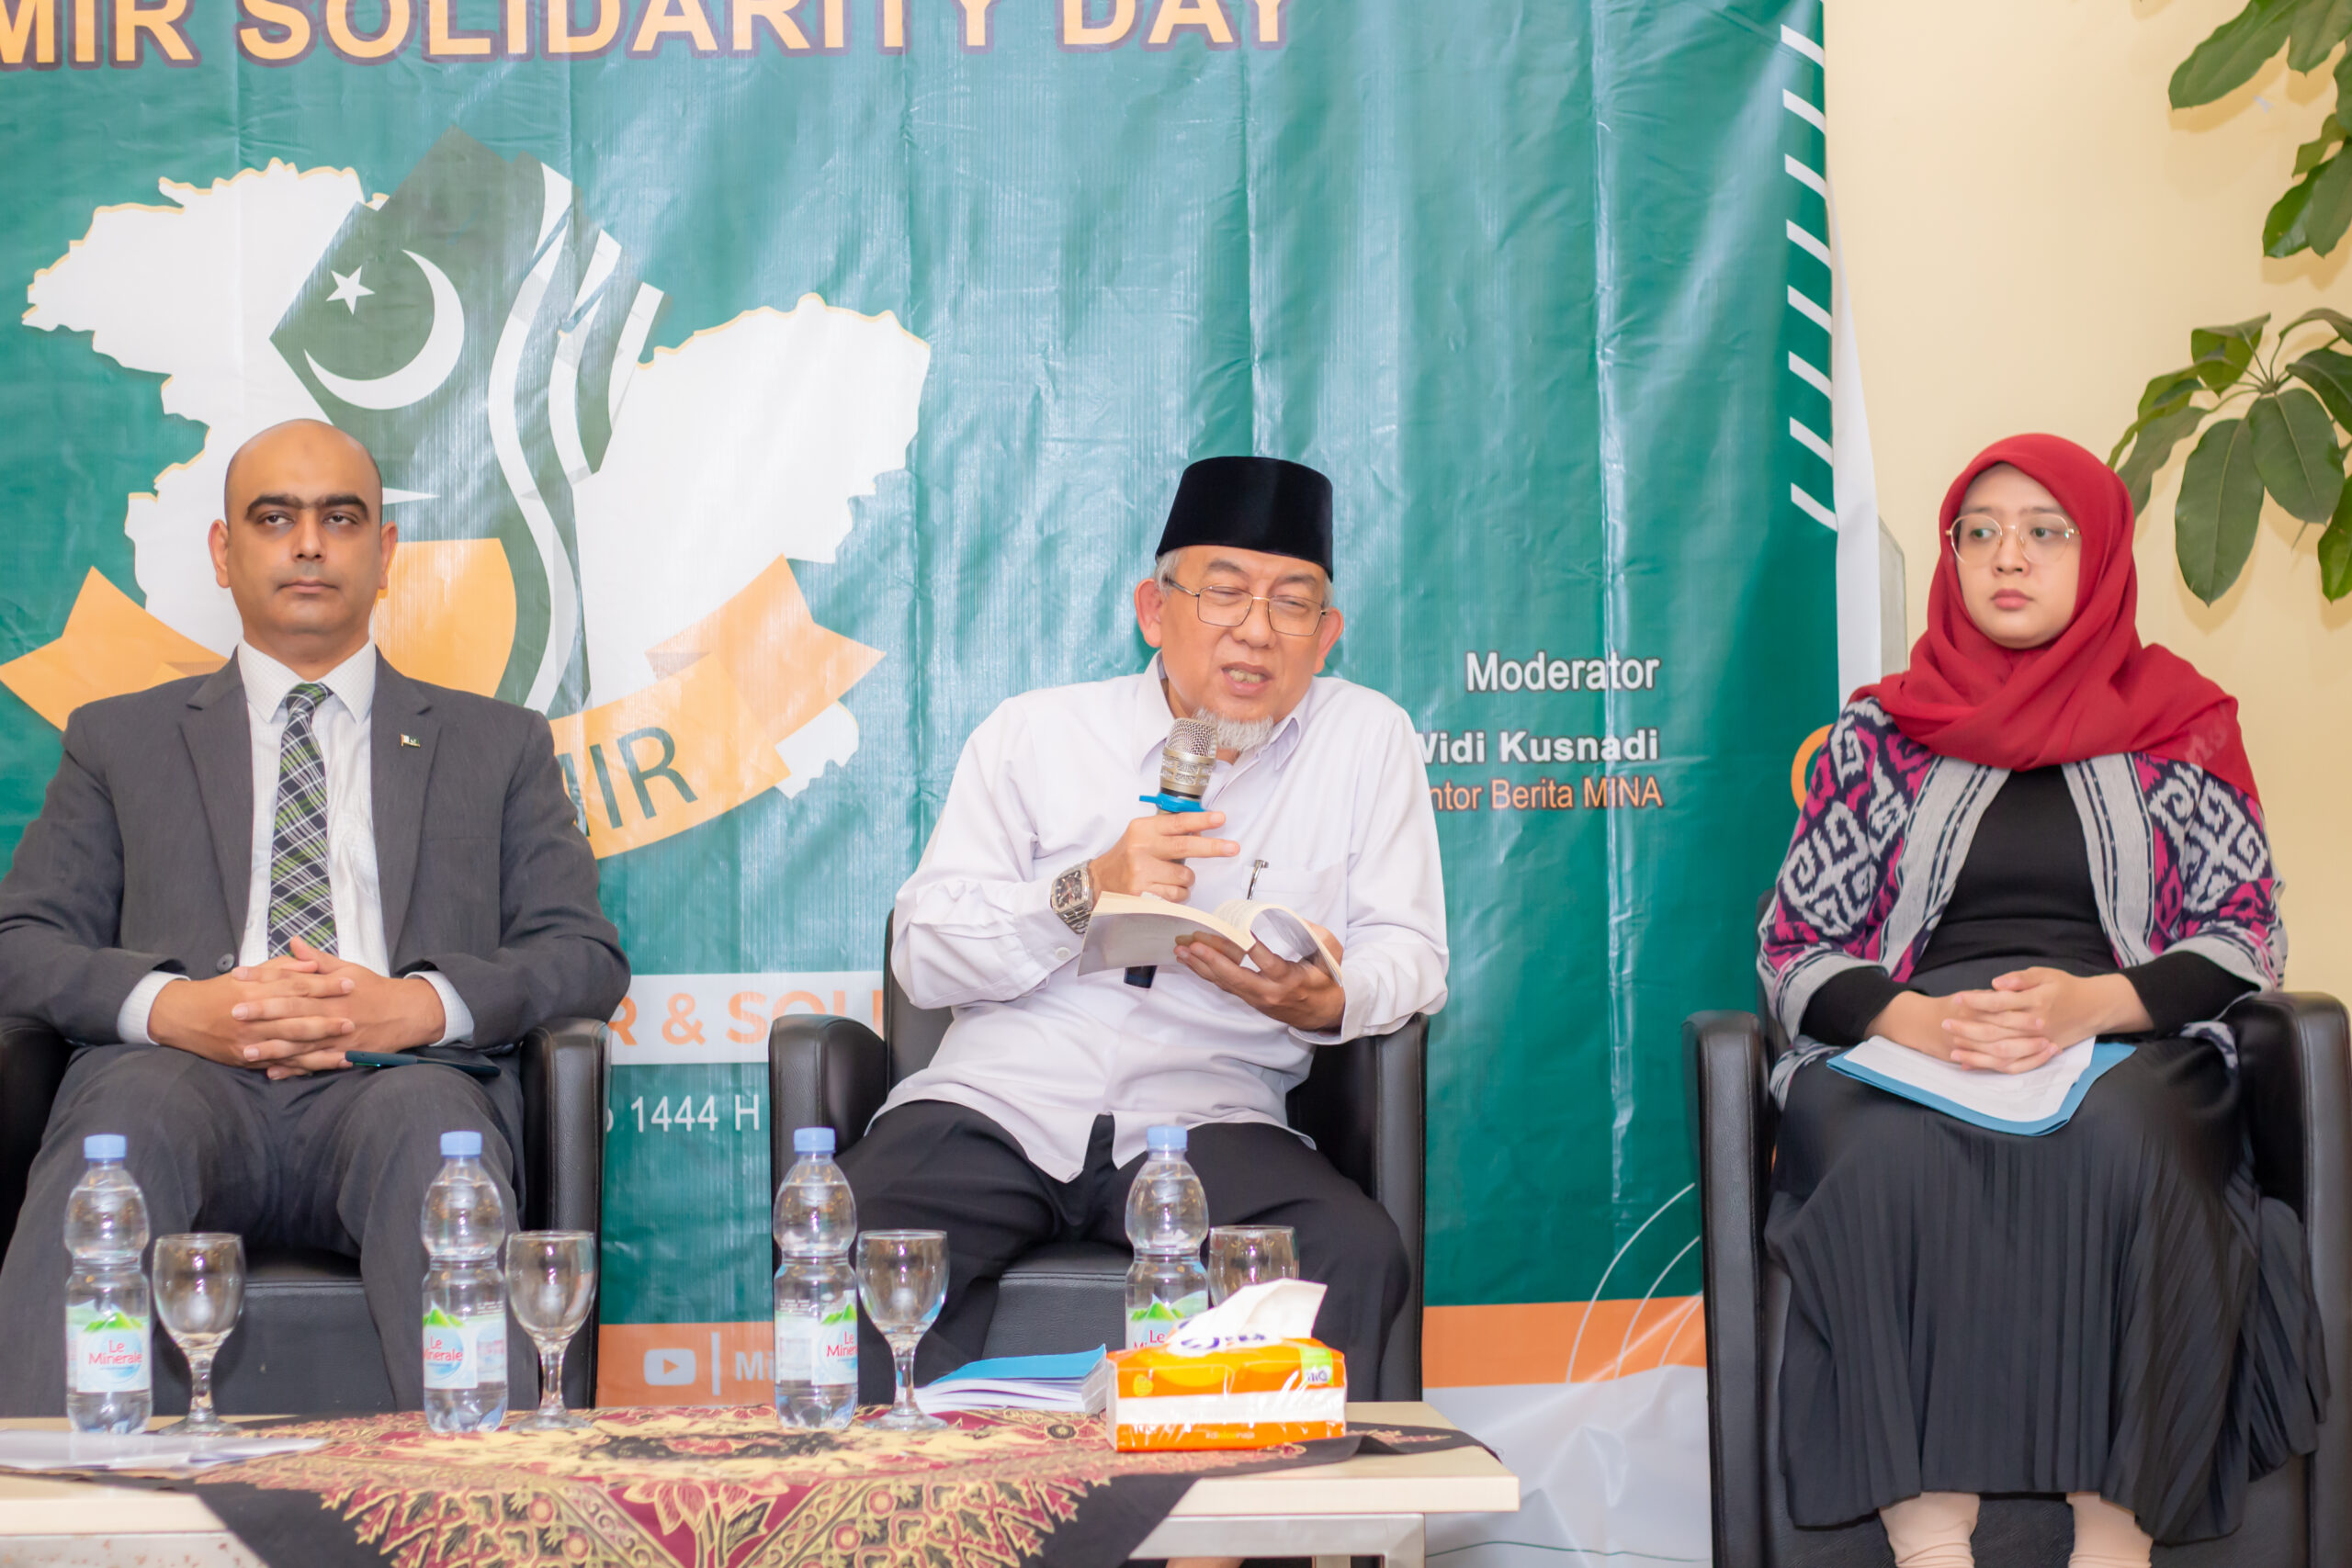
[(411, 740)]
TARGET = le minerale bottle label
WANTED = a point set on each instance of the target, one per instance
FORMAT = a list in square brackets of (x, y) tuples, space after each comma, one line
[(490, 1346), (1151, 1324), (450, 1361), (108, 1351), (813, 1350), (837, 1348)]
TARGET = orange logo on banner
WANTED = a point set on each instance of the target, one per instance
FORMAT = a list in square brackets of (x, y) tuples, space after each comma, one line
[(684, 1363), (1807, 750), (695, 745)]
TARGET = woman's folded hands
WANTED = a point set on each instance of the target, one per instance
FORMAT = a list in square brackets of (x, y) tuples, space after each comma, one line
[(2027, 1017)]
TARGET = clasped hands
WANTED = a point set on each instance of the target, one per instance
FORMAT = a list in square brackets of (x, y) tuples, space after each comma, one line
[(2027, 1017), (1149, 858), (296, 1014)]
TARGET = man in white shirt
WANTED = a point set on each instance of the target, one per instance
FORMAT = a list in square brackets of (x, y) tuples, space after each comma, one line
[(1029, 1124), (237, 878)]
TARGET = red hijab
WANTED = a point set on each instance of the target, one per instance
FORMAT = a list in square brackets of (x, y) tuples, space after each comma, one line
[(2094, 689)]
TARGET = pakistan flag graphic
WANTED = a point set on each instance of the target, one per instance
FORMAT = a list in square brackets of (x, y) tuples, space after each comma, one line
[(600, 536)]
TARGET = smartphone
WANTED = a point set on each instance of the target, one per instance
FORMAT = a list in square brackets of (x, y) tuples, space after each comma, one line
[(402, 1059)]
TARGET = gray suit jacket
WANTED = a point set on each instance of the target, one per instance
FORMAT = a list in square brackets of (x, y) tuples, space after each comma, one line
[(141, 857)]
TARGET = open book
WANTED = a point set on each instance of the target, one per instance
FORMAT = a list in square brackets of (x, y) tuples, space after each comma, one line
[(2028, 1103), (1131, 928)]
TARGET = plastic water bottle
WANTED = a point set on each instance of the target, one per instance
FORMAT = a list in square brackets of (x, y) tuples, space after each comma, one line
[(816, 1289), (109, 1377), (464, 1226), (1168, 1218)]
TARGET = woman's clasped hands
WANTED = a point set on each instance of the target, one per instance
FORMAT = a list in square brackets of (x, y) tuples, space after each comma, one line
[(2027, 1017)]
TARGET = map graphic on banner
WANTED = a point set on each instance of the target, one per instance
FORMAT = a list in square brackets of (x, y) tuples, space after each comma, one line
[(567, 541)]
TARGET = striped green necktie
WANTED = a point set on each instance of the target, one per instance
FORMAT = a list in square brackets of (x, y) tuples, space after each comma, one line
[(301, 901)]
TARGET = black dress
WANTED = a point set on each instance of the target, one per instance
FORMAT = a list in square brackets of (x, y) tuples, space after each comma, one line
[(2109, 1307)]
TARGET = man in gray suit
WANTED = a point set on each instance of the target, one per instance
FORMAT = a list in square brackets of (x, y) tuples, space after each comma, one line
[(237, 878)]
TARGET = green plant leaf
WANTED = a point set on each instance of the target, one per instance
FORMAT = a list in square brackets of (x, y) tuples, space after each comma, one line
[(2219, 505), (2282, 226), (2335, 319), (2328, 372), (2318, 27), (2314, 212), (2169, 393), (2344, 80), (2165, 395), (2308, 156), (2158, 437), (2336, 550), (2329, 212), (2219, 355), (2234, 51), (2295, 453)]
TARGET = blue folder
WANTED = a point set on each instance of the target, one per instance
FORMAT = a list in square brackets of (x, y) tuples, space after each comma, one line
[(2104, 1055), (1071, 1368)]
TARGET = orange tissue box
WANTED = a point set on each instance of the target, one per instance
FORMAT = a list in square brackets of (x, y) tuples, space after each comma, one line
[(1247, 1395)]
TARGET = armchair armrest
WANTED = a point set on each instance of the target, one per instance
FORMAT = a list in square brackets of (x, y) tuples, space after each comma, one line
[(563, 1125), (1733, 1123), (32, 1064), (564, 1082), (2293, 1071), (1365, 1104), (823, 1071)]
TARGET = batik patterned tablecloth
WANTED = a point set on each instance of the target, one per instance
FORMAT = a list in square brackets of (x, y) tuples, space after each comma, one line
[(724, 1488)]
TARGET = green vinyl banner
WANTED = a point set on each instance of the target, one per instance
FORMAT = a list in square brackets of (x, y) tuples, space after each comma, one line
[(767, 388)]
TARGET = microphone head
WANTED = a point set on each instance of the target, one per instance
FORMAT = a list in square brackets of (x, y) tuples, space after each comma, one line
[(1188, 755)]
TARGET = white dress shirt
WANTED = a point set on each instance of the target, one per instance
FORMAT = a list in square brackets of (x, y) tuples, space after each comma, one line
[(1336, 803), (339, 725)]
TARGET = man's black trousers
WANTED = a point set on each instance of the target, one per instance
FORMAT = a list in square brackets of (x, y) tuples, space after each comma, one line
[(934, 1165)]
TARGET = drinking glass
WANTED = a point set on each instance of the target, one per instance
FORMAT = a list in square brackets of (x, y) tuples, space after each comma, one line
[(1250, 1255), (199, 1291), (551, 1280), (902, 1278)]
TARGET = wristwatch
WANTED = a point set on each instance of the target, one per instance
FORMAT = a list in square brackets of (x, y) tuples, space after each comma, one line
[(1074, 896)]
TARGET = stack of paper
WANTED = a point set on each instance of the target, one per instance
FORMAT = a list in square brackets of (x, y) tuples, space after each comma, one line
[(1020, 1383), (2027, 1103), (136, 1450)]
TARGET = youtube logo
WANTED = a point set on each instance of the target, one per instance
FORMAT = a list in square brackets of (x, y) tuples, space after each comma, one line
[(650, 1363)]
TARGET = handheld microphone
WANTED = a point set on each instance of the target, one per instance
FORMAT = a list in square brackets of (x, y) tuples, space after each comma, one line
[(1184, 765)]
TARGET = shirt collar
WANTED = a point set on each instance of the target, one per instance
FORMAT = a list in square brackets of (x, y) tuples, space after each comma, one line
[(352, 681), (1152, 719)]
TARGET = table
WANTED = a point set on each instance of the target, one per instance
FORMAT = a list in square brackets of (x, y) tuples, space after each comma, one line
[(1368, 1506)]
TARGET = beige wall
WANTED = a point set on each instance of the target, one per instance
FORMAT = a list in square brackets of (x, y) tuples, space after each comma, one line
[(2029, 232)]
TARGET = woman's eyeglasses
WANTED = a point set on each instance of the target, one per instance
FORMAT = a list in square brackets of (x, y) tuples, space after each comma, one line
[(2043, 542)]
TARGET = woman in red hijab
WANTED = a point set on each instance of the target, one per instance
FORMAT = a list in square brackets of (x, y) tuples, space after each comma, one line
[(2043, 833)]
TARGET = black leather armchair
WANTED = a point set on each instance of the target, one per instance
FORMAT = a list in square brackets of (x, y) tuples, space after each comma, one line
[(306, 1343), (2292, 1060), (1361, 1103)]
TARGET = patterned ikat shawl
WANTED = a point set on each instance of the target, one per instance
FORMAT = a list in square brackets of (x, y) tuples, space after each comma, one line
[(2178, 861)]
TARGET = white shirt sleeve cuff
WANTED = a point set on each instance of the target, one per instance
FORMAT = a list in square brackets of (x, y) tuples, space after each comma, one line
[(459, 1017), (130, 1022), (1351, 1009)]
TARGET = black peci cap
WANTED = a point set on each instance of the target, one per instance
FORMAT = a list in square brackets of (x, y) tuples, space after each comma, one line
[(1252, 504)]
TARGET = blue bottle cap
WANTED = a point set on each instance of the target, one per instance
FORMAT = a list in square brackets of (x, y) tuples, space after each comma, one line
[(105, 1145), (813, 1140), (1164, 1140), (455, 1144)]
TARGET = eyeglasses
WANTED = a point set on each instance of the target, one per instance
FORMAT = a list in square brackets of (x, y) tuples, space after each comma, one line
[(1290, 615), (1976, 540)]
